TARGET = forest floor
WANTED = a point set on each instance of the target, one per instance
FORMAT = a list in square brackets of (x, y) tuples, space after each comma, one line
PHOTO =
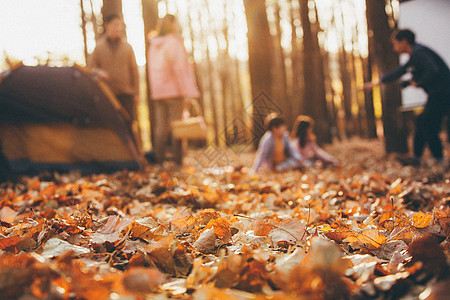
[(370, 229)]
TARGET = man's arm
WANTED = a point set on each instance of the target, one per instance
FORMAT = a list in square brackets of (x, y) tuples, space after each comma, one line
[(388, 77), (394, 74)]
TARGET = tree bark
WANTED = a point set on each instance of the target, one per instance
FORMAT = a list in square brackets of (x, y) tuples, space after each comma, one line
[(395, 132), (261, 62), (150, 17), (93, 19), (83, 28), (315, 103), (297, 64), (211, 80), (368, 100), (112, 7), (281, 87)]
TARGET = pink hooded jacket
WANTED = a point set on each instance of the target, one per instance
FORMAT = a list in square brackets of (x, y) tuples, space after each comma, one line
[(171, 74)]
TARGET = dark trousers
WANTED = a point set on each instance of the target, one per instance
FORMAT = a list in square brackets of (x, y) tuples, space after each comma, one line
[(167, 111), (429, 122)]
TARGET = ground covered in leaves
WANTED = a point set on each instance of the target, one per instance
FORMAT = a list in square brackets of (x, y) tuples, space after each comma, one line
[(370, 229)]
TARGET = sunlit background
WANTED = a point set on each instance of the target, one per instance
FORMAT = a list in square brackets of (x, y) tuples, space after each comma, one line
[(30, 30), (50, 31)]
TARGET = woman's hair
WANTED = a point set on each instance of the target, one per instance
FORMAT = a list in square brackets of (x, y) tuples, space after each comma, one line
[(165, 26), (300, 129), (273, 120)]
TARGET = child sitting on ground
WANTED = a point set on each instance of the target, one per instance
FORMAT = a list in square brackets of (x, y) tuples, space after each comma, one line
[(303, 141), (274, 150)]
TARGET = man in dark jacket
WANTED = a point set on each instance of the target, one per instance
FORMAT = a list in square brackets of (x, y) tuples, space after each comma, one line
[(429, 72)]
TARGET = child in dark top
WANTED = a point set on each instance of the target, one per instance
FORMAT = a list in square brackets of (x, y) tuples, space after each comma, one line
[(274, 150), (303, 141)]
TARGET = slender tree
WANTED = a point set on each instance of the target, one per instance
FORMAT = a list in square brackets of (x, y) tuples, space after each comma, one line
[(94, 20), (385, 59), (111, 7), (298, 83), (215, 104), (281, 87), (315, 103), (150, 17), (261, 61), (83, 28), (368, 100)]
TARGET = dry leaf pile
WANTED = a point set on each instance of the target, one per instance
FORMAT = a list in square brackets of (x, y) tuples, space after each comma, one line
[(370, 229)]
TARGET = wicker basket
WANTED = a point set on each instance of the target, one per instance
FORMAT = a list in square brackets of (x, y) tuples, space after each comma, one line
[(190, 127)]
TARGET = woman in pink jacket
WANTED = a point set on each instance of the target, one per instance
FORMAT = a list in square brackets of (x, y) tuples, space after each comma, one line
[(172, 84)]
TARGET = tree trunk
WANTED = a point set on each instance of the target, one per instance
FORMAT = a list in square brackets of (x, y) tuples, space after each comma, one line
[(385, 59), (229, 108), (83, 28), (261, 62), (212, 79), (112, 7), (368, 100), (150, 17), (238, 97), (315, 100), (333, 113), (297, 65), (346, 92), (94, 22), (281, 79)]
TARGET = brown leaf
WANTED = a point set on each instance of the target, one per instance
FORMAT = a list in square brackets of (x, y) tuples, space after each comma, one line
[(387, 250), (206, 242), (290, 230), (262, 228), (162, 255), (7, 214), (183, 225), (9, 242), (222, 229), (206, 215), (140, 229), (141, 280), (111, 232), (57, 247)]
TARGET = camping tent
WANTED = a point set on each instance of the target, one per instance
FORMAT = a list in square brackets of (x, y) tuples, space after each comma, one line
[(62, 119)]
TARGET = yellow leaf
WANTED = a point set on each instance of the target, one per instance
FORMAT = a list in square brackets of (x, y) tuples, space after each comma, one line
[(421, 220)]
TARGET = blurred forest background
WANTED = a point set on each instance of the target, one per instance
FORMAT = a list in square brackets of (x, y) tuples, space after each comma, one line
[(289, 56)]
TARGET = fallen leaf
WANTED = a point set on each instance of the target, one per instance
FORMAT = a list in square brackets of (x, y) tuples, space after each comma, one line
[(7, 214), (291, 231), (206, 242), (56, 247), (141, 280), (421, 220), (262, 228)]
